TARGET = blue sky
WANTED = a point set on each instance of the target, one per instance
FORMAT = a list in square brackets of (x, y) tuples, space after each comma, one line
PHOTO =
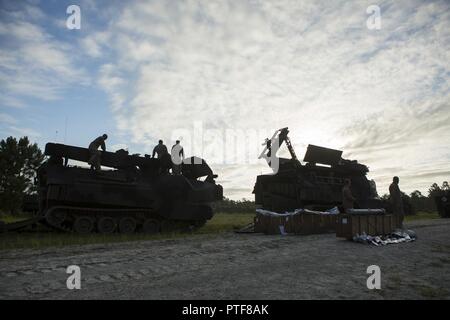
[(144, 70)]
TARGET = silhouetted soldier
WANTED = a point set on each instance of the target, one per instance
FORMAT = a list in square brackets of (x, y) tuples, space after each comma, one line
[(177, 157), (160, 150), (347, 196), (94, 153), (163, 155), (396, 200)]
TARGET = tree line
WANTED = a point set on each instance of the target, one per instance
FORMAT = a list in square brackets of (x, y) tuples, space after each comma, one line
[(425, 203), (234, 206)]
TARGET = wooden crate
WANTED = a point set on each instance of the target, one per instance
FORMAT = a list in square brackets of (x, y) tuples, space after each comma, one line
[(350, 225), (301, 224), (316, 223), (289, 224), (262, 223), (259, 223), (297, 221), (327, 223), (274, 224)]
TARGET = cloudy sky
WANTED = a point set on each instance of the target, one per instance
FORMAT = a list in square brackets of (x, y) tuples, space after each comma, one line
[(222, 75)]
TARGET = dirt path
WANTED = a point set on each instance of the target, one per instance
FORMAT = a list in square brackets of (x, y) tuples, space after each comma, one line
[(236, 266)]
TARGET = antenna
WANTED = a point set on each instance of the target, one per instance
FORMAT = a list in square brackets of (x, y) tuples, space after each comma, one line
[(65, 130)]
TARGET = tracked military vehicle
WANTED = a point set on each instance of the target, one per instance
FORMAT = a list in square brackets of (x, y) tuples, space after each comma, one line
[(135, 194), (315, 184)]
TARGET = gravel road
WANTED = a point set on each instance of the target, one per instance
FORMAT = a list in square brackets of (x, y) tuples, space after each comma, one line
[(235, 266)]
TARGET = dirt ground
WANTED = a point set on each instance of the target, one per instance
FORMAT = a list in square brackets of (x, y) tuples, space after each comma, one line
[(236, 266)]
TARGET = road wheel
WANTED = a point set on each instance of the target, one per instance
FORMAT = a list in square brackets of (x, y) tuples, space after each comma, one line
[(106, 225), (186, 226), (199, 223), (83, 225), (150, 226), (56, 217), (168, 226), (127, 225)]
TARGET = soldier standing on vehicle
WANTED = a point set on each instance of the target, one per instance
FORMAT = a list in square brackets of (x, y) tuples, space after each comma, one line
[(177, 157), (163, 156), (347, 196), (160, 149), (94, 153), (396, 200)]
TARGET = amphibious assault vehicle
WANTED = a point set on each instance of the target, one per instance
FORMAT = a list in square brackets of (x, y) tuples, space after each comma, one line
[(317, 184), (136, 194)]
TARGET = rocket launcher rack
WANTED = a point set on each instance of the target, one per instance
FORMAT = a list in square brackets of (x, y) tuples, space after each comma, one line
[(119, 159)]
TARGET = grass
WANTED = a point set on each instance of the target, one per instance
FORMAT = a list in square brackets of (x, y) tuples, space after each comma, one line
[(7, 218), (223, 222), (41, 238), (422, 216)]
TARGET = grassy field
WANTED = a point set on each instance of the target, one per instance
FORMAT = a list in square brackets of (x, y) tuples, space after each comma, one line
[(221, 222), (9, 218), (422, 216)]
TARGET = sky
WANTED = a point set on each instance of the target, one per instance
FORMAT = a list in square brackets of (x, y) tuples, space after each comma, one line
[(223, 75)]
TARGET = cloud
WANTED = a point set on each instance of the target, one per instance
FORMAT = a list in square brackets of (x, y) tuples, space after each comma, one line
[(11, 126), (95, 44), (5, 118), (11, 129), (11, 102), (119, 146), (33, 63)]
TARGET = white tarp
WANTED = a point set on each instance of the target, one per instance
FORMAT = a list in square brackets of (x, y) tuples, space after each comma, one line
[(334, 210), (366, 211)]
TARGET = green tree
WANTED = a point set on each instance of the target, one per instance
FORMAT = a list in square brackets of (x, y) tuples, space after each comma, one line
[(385, 197), (19, 161), (433, 190), (416, 194), (419, 202)]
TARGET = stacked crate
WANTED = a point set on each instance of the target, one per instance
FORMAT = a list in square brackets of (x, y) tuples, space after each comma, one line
[(302, 223), (349, 225)]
